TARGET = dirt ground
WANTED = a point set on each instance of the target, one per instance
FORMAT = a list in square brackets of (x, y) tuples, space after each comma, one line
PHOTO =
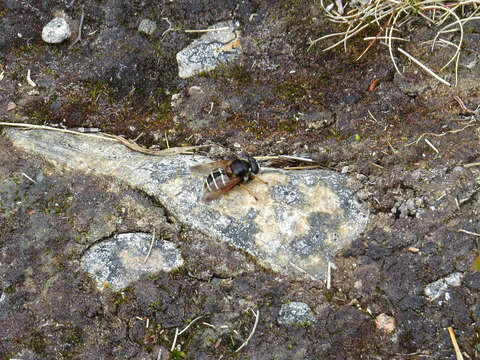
[(278, 98)]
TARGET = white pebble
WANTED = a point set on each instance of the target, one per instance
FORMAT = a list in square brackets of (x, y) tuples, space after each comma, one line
[(56, 31)]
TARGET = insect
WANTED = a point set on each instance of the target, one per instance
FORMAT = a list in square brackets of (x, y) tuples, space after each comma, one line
[(224, 175)]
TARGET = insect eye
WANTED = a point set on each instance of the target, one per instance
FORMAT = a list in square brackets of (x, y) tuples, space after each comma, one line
[(253, 165)]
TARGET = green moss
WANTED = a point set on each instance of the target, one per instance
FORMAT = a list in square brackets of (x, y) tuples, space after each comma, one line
[(287, 126), (177, 355), (155, 306), (36, 342), (121, 297), (73, 335), (238, 73), (96, 89)]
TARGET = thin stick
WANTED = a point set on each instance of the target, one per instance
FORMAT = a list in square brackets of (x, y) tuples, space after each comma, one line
[(378, 166), (29, 79), (174, 340), (462, 105), (29, 178), (288, 157), (209, 325), (424, 67), (166, 140), (442, 134), (303, 271), (191, 322), (455, 344), (151, 246), (257, 315), (329, 275), (207, 30), (431, 145), (130, 144), (302, 167), (79, 36), (471, 165), (468, 232)]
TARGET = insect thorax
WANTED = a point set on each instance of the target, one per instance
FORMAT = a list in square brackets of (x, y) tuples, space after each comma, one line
[(241, 169)]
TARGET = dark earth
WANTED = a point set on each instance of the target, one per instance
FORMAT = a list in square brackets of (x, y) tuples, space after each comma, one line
[(278, 98)]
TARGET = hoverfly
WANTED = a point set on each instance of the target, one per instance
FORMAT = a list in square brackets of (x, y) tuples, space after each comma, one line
[(224, 175)]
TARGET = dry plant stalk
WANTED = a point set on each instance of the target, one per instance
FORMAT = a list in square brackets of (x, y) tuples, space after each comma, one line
[(389, 16)]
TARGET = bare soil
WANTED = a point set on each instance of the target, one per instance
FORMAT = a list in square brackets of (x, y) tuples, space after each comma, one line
[(279, 98)]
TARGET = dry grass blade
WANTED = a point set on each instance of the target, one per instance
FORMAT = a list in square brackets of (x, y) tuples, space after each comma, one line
[(430, 72), (455, 344), (391, 16), (128, 143), (257, 316)]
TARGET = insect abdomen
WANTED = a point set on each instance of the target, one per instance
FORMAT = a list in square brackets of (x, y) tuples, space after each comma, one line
[(216, 180)]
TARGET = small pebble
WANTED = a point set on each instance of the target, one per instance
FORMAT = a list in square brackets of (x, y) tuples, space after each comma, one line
[(147, 27), (56, 31), (385, 323)]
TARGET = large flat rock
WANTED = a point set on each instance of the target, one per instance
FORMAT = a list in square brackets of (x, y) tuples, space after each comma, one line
[(300, 221)]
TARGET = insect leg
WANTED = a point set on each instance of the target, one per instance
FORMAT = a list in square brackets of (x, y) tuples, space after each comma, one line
[(249, 191)]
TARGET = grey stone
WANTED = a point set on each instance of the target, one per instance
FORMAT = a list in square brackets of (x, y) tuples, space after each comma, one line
[(296, 313), (147, 27), (121, 259), (210, 50), (56, 31), (437, 288), (300, 221)]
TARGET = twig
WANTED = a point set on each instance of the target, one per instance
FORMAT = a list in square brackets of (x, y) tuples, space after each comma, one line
[(430, 72), (174, 340), (130, 144), (166, 140), (455, 344), (209, 325), (257, 315), (329, 275), (462, 105), (151, 246), (431, 145), (79, 36), (302, 167), (170, 27), (468, 232), (288, 157), (303, 271), (191, 322), (29, 79), (471, 165), (29, 178), (391, 147), (207, 30), (442, 134), (378, 166)]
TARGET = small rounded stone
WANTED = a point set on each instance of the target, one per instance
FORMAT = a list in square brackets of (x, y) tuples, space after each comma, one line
[(56, 31)]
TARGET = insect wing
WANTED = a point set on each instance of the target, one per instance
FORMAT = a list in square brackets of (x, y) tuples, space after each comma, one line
[(229, 185), (207, 168)]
